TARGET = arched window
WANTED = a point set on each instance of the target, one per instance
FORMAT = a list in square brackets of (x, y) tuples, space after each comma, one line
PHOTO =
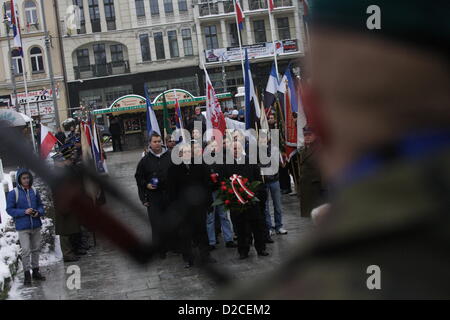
[(17, 61), (31, 12), (37, 63)]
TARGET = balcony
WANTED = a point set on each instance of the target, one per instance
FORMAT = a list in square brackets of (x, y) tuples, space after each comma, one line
[(208, 7), (257, 4), (282, 3), (102, 70)]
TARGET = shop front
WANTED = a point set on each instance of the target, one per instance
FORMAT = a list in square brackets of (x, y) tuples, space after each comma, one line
[(131, 113)]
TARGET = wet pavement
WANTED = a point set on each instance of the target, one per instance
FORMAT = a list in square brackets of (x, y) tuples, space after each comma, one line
[(108, 274)]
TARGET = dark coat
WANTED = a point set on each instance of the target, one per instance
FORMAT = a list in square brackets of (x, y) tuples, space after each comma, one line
[(61, 138), (190, 182), (115, 128), (152, 166), (66, 223), (311, 191)]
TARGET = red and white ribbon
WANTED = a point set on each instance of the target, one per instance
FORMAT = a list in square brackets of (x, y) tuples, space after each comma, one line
[(237, 180)]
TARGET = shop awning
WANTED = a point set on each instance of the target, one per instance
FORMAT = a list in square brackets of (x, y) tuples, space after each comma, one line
[(133, 103)]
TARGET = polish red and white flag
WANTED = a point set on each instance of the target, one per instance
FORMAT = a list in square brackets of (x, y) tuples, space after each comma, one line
[(48, 140)]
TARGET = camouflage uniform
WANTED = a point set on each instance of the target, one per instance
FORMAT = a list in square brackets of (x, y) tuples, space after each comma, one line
[(397, 219)]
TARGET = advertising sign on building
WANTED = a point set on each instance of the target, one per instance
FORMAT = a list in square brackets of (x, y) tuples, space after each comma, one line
[(259, 50), (36, 96)]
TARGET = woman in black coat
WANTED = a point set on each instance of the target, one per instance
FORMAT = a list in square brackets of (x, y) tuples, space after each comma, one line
[(190, 197)]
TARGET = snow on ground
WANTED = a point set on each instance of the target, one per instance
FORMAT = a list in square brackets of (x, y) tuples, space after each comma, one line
[(9, 244)]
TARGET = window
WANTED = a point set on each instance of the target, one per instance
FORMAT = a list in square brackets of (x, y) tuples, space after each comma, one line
[(145, 47), (211, 37), (110, 14), (83, 58), (173, 44), (94, 13), (8, 9), (259, 30), (283, 28), (187, 42), (168, 6), (282, 3), (228, 6), (159, 45), (257, 4), (82, 29), (154, 7), (99, 54), (208, 7), (30, 12), (37, 63), (116, 53), (140, 8), (17, 61), (182, 5), (233, 33)]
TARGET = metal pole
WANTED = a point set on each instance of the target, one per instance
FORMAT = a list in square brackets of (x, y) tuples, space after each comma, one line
[(13, 74), (239, 38), (272, 29), (50, 65), (28, 103), (224, 76)]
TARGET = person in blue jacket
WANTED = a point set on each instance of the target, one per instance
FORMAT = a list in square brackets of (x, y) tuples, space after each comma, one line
[(25, 206)]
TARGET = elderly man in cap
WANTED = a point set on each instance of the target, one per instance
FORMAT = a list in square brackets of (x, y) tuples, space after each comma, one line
[(379, 99)]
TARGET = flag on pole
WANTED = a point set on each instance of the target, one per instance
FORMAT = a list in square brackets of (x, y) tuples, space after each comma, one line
[(179, 119), (88, 160), (270, 5), (271, 88), (252, 108), (290, 133), (16, 28), (301, 118), (214, 115), (240, 15), (97, 152), (152, 122), (48, 141), (305, 8), (166, 119)]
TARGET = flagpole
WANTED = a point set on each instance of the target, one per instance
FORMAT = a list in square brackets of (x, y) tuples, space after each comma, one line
[(239, 38), (272, 29), (28, 102), (13, 73), (24, 66)]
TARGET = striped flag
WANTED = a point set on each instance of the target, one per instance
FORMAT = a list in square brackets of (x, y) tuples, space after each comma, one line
[(16, 28), (97, 152), (152, 122), (240, 15), (252, 108), (48, 141), (179, 118)]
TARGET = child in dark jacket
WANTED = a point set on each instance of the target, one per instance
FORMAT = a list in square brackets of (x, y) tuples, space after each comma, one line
[(25, 206)]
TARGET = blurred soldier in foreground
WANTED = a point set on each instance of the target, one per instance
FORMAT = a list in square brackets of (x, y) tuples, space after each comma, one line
[(310, 188), (380, 102)]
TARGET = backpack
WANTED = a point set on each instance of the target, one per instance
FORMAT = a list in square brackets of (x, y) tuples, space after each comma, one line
[(16, 191)]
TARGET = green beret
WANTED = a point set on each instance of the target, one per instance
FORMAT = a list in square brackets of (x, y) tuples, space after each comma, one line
[(419, 22)]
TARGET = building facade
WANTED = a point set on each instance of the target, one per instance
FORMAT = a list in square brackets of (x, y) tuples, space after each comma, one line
[(219, 40), (34, 62), (114, 47)]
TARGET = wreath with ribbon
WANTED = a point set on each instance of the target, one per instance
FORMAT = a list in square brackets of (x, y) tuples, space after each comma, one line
[(236, 193)]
